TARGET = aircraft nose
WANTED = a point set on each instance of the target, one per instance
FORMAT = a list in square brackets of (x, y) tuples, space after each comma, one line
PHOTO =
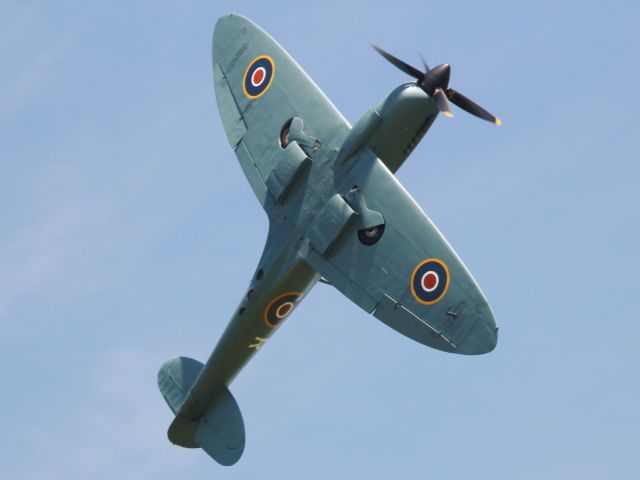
[(482, 338)]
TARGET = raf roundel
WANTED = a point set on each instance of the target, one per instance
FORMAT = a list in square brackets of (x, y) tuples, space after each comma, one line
[(279, 308), (258, 76), (429, 281)]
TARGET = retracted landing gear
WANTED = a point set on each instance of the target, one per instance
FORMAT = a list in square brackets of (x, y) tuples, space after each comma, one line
[(370, 236)]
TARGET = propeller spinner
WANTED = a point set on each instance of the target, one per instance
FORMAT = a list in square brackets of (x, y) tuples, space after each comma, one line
[(435, 82)]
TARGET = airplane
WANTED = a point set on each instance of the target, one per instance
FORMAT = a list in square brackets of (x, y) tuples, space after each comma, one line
[(337, 214)]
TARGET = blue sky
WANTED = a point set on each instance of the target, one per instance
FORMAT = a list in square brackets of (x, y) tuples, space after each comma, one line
[(128, 235)]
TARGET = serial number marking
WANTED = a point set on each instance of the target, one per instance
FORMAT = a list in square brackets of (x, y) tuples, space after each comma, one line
[(236, 57)]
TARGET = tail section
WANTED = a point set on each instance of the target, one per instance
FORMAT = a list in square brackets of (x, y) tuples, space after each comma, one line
[(175, 379), (219, 431)]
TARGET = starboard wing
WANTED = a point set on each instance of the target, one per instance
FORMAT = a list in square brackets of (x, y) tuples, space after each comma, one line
[(259, 87), (411, 279)]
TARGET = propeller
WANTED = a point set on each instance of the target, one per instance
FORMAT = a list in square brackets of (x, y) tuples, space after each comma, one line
[(435, 82)]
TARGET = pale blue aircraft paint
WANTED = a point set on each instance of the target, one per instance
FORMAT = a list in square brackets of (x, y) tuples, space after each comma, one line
[(335, 210)]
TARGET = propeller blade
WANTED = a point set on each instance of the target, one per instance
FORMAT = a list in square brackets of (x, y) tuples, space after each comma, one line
[(441, 101), (424, 62), (405, 67), (470, 106)]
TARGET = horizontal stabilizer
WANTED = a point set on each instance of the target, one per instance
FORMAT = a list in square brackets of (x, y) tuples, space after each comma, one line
[(220, 431), (175, 379)]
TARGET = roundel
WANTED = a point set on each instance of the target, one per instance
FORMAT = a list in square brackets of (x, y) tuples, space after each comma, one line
[(279, 308), (429, 281), (258, 76)]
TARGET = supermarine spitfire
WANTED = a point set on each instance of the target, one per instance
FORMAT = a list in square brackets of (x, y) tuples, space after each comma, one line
[(336, 213)]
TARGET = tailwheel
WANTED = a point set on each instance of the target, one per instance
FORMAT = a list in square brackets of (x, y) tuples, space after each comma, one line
[(370, 236)]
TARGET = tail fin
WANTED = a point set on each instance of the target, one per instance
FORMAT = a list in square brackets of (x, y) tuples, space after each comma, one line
[(219, 431)]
